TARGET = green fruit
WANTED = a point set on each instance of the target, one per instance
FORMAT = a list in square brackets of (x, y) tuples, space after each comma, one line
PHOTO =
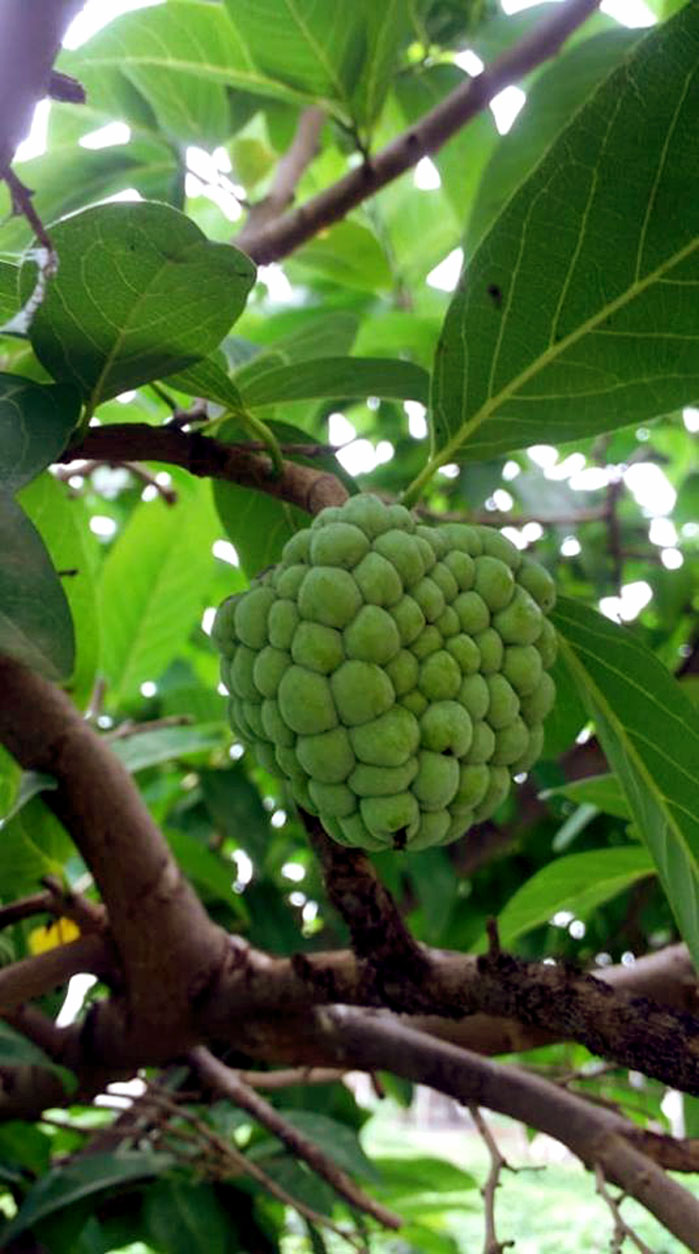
[(329, 596), (394, 674), (474, 615), (495, 582), (522, 667), (504, 702), (268, 669), (336, 801), (403, 552), (379, 781), (440, 677), (429, 597), (361, 691), (388, 740), (539, 703), (327, 757), (521, 622), (305, 702), (317, 647), (372, 636), (338, 544), (436, 781), (446, 727), (388, 817)]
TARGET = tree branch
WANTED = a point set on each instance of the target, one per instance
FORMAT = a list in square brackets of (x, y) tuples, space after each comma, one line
[(225, 1083), (300, 485), (169, 948), (42, 973), (356, 1039), (289, 171), (427, 136)]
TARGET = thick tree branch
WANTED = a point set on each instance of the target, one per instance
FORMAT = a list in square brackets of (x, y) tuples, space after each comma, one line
[(300, 485), (169, 948), (28, 47), (427, 136)]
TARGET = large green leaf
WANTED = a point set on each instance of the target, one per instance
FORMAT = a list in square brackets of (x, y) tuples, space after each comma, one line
[(211, 873), (186, 1217), (650, 734), (140, 293), (61, 521), (153, 586), (83, 1177), (578, 883), (551, 101), (162, 744), (337, 377), (35, 623), (604, 792), (186, 41), (9, 299), (322, 48), (578, 312), (35, 426)]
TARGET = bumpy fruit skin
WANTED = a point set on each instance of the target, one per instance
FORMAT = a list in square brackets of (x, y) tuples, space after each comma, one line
[(396, 675)]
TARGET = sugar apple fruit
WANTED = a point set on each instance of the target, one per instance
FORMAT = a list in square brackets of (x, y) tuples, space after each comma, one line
[(396, 675)]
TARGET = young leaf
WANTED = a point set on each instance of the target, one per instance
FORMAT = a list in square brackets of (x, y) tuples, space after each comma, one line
[(140, 293), (576, 314), (35, 623), (578, 882), (35, 425), (650, 735), (153, 585)]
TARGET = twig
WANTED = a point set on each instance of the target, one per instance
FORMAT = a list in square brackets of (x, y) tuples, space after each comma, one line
[(289, 171), (287, 1077), (622, 1232), (230, 1154), (26, 908), (42, 973), (131, 728), (279, 238), (87, 468), (300, 485), (89, 916), (223, 1081), (497, 1163)]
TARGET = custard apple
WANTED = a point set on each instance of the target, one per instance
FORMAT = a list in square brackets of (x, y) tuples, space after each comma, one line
[(396, 675)]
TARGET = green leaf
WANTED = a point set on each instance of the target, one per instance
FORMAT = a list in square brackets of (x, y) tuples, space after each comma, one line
[(33, 844), (235, 809), (29, 784), (208, 378), (145, 748), (140, 293), (153, 585), (17, 1051), (35, 623), (333, 377), (384, 27), (420, 1185), (317, 49), (83, 1177), (602, 791), (578, 882), (649, 731), (611, 321), (35, 425), (211, 873), (157, 48), (186, 1218), (62, 523), (337, 1140), (555, 96), (346, 253), (9, 298)]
